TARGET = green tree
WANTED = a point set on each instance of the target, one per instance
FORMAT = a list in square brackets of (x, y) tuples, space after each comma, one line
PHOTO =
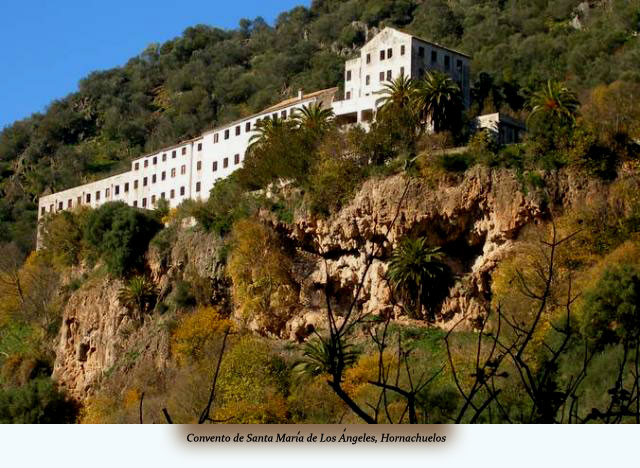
[(554, 101), (120, 235), (138, 294), (419, 272), (314, 118), (438, 101)]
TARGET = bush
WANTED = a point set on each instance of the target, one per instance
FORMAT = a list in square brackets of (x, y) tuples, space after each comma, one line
[(120, 236), (331, 184), (61, 236), (611, 312), (196, 333), (36, 402)]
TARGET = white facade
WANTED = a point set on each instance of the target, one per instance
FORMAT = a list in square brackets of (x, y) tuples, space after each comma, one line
[(186, 170), (387, 56), (189, 169)]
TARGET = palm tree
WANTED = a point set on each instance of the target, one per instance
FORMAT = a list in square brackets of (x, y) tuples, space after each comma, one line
[(438, 99), (266, 129), (554, 101), (314, 118), (419, 272), (138, 294), (396, 95), (322, 356)]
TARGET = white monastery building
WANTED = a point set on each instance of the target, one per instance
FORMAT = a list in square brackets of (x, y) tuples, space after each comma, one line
[(188, 170)]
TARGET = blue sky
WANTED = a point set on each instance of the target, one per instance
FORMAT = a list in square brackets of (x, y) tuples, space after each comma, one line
[(47, 46)]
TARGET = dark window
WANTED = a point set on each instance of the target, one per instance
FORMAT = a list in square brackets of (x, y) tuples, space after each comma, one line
[(183, 169), (382, 55), (215, 166), (144, 181), (146, 163), (51, 206), (144, 202), (447, 62), (274, 115), (402, 50), (163, 176), (79, 200), (153, 179), (381, 76), (173, 154), (135, 184), (126, 187), (136, 166), (225, 162), (367, 80), (368, 58), (389, 53), (237, 130), (69, 203), (164, 156), (215, 138), (199, 146), (434, 56), (401, 71), (135, 203), (197, 186), (420, 51), (106, 193), (162, 195), (236, 159), (184, 150), (155, 160), (173, 172), (283, 114), (172, 193), (348, 75), (116, 189), (153, 199), (226, 134), (43, 210), (98, 195), (247, 127), (181, 190), (389, 75), (198, 165), (60, 205), (348, 96)]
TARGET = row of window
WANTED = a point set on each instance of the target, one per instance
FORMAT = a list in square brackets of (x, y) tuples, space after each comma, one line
[(154, 160), (247, 125), (145, 180), (172, 194)]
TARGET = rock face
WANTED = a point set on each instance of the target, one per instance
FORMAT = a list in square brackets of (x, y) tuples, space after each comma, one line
[(475, 220)]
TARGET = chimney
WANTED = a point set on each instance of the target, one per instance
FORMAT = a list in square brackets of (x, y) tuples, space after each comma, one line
[(299, 93)]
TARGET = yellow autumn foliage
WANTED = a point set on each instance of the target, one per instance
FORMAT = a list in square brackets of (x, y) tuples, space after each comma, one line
[(196, 332), (263, 288)]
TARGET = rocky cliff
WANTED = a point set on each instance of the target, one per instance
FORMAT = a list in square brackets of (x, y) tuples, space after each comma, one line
[(475, 219)]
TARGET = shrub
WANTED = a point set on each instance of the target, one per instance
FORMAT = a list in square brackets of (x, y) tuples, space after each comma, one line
[(36, 402), (331, 184), (61, 236), (611, 311), (263, 288), (196, 332), (138, 294), (120, 236)]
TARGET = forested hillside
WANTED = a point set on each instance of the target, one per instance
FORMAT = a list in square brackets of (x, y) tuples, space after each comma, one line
[(174, 90)]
